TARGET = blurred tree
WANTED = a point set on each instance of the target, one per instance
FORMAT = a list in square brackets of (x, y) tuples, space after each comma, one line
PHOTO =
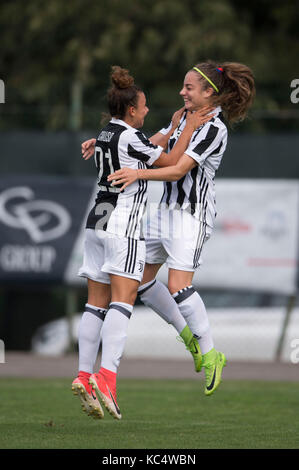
[(55, 56)]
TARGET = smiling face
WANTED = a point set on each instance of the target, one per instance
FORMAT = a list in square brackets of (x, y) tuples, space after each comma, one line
[(136, 114), (193, 94)]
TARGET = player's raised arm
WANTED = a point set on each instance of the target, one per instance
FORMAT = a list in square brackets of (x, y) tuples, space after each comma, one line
[(88, 146), (162, 139), (193, 122)]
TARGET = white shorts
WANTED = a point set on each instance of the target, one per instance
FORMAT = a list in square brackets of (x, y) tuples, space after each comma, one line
[(105, 253), (176, 238)]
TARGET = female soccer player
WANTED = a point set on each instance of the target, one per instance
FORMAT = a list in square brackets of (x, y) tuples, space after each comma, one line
[(114, 249), (189, 202)]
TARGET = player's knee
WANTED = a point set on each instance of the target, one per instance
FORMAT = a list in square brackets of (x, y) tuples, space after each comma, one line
[(126, 297), (174, 285), (178, 280), (150, 272)]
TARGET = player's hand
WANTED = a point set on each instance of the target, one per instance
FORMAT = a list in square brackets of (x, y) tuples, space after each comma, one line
[(87, 148), (123, 176), (200, 117), (175, 120)]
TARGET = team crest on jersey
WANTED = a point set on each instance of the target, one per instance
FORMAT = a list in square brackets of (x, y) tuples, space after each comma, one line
[(140, 266)]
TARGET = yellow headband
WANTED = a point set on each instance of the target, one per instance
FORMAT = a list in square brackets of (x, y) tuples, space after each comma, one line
[(207, 78)]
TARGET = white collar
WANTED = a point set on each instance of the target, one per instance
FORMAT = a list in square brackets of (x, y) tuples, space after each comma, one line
[(217, 111), (121, 123)]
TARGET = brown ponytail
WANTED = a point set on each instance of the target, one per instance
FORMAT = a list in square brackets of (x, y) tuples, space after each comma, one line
[(235, 83), (123, 93)]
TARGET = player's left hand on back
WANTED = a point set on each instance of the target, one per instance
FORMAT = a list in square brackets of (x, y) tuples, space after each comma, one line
[(87, 148)]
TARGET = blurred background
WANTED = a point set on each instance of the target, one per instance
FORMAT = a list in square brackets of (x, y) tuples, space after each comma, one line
[(55, 60)]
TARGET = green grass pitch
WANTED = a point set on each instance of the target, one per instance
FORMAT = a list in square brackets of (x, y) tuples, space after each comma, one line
[(157, 414)]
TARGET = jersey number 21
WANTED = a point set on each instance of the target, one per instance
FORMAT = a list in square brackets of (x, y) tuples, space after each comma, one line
[(104, 164)]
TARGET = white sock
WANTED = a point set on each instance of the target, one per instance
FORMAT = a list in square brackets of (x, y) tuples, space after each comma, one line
[(114, 334), (89, 336), (194, 311), (155, 295)]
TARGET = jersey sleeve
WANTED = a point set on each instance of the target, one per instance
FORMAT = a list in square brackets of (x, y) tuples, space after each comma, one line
[(207, 141), (141, 148), (165, 130)]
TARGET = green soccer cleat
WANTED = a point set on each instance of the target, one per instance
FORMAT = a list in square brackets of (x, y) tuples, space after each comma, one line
[(213, 363), (192, 345)]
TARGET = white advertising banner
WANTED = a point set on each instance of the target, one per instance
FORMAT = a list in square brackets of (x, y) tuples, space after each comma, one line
[(254, 244)]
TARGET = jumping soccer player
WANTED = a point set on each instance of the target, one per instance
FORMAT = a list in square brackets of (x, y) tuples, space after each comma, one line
[(188, 201)]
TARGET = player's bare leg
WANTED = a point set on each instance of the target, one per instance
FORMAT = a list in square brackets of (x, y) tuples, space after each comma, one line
[(89, 339), (99, 294), (114, 333)]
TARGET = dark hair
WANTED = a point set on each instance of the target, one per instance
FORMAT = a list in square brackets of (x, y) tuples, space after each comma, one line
[(235, 83), (123, 92)]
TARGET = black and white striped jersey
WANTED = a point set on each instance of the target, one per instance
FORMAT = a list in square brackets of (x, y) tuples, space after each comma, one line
[(120, 213), (196, 190)]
